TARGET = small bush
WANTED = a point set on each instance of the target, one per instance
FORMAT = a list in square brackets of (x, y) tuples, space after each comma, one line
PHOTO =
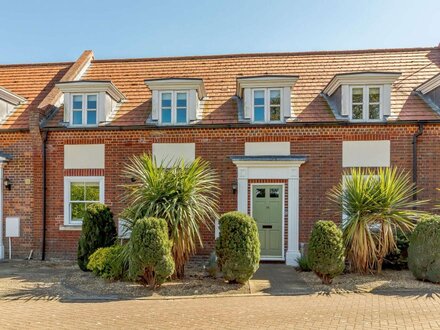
[(326, 251), (98, 230), (303, 263), (424, 250), (149, 252), (107, 262), (238, 247)]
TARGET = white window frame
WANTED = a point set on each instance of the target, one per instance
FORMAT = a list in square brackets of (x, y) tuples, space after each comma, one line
[(84, 109), (366, 103), (68, 180), (174, 107), (267, 106)]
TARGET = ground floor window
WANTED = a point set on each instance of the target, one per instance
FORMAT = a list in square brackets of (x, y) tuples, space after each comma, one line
[(79, 192)]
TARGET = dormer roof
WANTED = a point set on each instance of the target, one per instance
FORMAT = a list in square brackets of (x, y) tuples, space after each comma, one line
[(360, 78)]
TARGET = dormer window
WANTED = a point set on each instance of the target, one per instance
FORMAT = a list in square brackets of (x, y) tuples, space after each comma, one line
[(173, 107), (360, 97), (366, 103), (265, 99), (176, 101), (89, 103), (84, 109), (267, 105), (8, 103)]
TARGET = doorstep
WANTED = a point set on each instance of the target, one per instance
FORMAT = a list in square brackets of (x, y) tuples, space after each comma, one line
[(278, 279)]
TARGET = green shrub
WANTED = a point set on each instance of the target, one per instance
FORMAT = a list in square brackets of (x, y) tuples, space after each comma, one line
[(326, 251), (398, 259), (303, 263), (98, 230), (149, 252), (424, 250), (238, 247), (107, 262)]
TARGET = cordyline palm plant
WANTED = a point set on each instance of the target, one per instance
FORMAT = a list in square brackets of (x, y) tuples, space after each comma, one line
[(186, 196), (375, 205)]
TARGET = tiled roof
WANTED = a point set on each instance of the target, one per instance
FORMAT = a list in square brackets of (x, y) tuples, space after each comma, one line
[(219, 74), (31, 81)]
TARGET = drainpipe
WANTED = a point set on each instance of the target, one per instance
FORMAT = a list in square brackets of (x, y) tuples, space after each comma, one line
[(414, 160), (43, 242)]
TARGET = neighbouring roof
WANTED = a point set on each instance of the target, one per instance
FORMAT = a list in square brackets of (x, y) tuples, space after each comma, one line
[(31, 82), (220, 73)]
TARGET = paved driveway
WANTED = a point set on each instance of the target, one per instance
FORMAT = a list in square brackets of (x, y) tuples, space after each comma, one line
[(351, 311)]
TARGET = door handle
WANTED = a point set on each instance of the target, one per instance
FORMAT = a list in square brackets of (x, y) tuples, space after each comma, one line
[(267, 226)]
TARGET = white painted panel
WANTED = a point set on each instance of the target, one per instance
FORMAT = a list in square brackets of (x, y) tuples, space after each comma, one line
[(124, 230), (366, 153), (168, 153), (12, 227), (267, 148), (78, 156)]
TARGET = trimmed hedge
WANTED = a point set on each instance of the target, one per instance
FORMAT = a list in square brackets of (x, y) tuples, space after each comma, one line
[(424, 250), (238, 247), (107, 262), (98, 230), (149, 256), (326, 251)]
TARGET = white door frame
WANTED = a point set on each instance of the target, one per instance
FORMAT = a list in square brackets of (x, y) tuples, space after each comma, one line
[(273, 168), (283, 215)]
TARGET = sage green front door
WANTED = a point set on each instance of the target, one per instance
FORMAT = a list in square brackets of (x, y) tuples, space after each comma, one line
[(267, 210)]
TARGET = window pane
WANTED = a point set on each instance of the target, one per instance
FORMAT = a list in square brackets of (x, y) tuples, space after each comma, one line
[(374, 112), (259, 114), (275, 113), (275, 97), (166, 100), (374, 94), (357, 95), (77, 211), (77, 102), (258, 98), (181, 100), (357, 111), (181, 116), (91, 101), (91, 117), (77, 191), (77, 117), (166, 115), (92, 191), (261, 193), (274, 192)]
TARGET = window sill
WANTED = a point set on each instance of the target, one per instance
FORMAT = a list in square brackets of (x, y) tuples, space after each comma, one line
[(70, 228)]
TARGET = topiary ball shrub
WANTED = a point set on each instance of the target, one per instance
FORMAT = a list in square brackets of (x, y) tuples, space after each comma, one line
[(326, 251), (98, 230), (238, 247), (424, 250), (107, 262), (149, 252)]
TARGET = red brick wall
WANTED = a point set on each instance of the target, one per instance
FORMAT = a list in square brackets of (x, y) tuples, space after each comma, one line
[(321, 144), (19, 200)]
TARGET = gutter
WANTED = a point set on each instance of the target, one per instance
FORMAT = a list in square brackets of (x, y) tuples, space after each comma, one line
[(43, 242), (414, 160), (237, 125)]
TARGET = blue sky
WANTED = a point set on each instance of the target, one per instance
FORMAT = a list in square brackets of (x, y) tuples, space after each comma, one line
[(46, 31)]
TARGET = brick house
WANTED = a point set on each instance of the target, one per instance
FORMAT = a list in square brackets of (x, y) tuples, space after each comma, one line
[(280, 129)]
